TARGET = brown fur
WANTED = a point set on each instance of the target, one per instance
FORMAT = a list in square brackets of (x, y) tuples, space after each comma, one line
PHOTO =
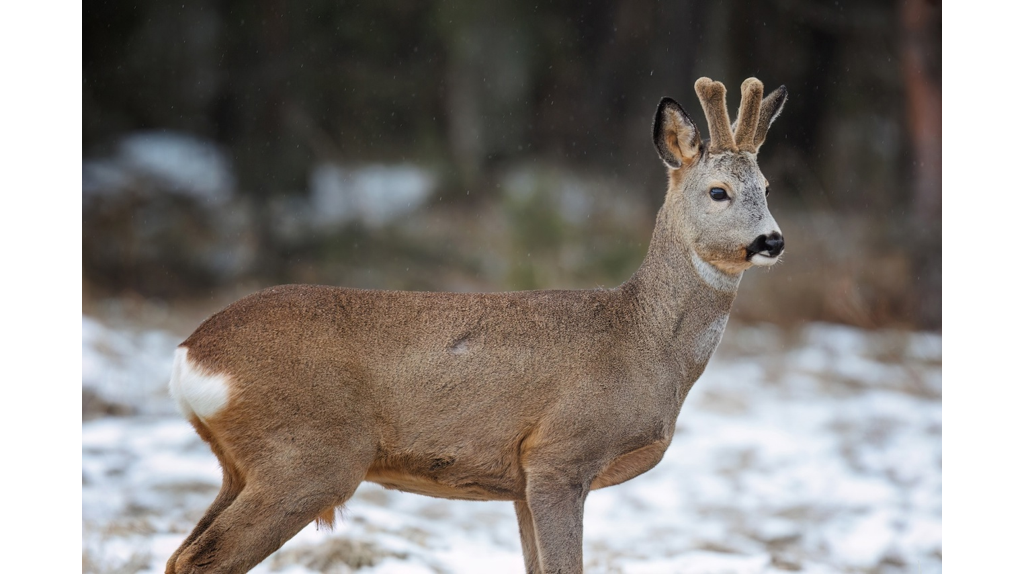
[(712, 98), (747, 118), (326, 518), (536, 397)]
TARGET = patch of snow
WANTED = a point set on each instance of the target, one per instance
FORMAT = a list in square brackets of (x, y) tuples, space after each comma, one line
[(702, 561), (395, 566), (574, 196), (861, 541), (126, 368), (925, 347), (773, 468), (181, 163), (104, 177), (373, 194)]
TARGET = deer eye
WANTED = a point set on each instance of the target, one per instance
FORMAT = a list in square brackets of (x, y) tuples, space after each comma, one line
[(718, 194)]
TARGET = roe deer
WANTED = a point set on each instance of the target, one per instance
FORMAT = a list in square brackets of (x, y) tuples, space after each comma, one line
[(536, 397)]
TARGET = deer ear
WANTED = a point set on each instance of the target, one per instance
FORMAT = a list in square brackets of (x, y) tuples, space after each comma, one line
[(771, 107), (675, 135)]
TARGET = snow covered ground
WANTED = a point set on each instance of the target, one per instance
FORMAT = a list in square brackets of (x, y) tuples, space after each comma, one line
[(812, 450)]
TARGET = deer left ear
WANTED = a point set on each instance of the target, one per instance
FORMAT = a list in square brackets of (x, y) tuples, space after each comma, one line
[(771, 107), (675, 135)]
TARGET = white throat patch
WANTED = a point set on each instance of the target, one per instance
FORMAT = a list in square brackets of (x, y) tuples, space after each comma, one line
[(709, 339), (714, 276)]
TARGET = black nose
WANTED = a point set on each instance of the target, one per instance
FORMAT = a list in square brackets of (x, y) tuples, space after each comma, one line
[(774, 243)]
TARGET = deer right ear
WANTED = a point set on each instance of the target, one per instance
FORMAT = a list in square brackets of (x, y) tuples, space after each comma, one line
[(675, 135)]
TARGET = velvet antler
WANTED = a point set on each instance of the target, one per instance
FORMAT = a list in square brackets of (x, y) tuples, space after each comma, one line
[(750, 109), (756, 114), (712, 99)]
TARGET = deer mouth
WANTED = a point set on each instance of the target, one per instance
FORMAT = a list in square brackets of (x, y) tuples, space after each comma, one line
[(762, 258)]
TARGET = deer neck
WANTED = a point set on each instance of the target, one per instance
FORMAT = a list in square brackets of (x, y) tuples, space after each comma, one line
[(683, 302)]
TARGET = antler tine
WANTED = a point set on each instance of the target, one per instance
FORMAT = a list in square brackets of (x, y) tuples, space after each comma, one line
[(750, 109), (712, 99)]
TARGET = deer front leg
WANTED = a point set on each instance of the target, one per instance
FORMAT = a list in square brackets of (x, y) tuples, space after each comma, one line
[(556, 503), (528, 537)]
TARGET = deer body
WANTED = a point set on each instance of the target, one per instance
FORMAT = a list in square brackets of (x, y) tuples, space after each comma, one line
[(536, 397)]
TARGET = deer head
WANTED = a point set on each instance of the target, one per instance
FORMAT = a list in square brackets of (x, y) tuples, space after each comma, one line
[(717, 197)]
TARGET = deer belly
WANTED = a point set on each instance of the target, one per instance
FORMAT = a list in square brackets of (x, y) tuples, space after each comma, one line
[(630, 465), (446, 477)]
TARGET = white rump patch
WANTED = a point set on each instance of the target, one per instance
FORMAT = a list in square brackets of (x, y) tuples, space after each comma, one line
[(714, 276), (194, 391), (763, 260)]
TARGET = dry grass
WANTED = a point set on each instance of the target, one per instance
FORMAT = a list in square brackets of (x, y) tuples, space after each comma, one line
[(334, 556)]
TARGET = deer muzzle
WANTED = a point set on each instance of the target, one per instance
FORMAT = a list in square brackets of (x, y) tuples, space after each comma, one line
[(765, 250)]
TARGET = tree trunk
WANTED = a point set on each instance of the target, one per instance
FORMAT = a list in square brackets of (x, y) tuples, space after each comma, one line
[(921, 62)]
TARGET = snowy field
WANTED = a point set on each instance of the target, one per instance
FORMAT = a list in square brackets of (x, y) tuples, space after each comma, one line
[(810, 450)]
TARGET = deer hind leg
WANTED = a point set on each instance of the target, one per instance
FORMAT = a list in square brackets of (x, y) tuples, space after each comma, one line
[(282, 493), (257, 523), (265, 515), (528, 537), (230, 487), (229, 491)]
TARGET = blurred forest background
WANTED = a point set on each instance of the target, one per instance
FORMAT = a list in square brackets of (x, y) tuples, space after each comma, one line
[(491, 145)]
